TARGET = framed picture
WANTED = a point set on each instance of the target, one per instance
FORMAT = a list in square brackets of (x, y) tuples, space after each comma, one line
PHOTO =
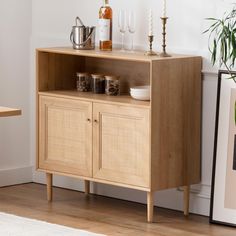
[(223, 194)]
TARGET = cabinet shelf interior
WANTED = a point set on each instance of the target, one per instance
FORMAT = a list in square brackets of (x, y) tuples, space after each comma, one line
[(58, 71)]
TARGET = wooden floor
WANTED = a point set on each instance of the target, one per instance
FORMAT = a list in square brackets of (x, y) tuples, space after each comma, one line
[(100, 214)]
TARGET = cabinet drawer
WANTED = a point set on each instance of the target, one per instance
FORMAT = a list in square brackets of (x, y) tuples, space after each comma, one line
[(121, 144)]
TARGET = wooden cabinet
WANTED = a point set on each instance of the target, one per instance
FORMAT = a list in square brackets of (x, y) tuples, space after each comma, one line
[(144, 145), (65, 135), (121, 144)]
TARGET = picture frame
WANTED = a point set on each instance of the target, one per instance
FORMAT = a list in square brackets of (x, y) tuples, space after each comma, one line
[(223, 190)]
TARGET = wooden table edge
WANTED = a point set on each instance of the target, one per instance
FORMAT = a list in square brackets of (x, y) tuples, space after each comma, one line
[(6, 111)]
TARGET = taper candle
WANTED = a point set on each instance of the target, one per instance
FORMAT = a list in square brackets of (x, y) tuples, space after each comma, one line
[(164, 9), (150, 33)]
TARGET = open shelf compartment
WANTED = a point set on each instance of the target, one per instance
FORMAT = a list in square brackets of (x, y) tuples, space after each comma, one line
[(57, 73)]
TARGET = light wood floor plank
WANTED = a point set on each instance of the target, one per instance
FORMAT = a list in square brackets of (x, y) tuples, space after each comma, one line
[(101, 214)]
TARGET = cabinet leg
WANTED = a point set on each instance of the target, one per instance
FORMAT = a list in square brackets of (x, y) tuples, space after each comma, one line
[(150, 196), (86, 187), (49, 187), (186, 199)]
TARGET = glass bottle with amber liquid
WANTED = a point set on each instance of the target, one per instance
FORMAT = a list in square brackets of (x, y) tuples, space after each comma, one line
[(105, 27)]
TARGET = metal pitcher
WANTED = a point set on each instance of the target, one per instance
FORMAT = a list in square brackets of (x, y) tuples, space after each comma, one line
[(82, 37)]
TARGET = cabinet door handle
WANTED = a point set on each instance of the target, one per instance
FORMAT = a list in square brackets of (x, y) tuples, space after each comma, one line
[(96, 121), (88, 120)]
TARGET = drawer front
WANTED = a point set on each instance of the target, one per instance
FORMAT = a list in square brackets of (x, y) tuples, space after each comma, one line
[(65, 135), (121, 144)]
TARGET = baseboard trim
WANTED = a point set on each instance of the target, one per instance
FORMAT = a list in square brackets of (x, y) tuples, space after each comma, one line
[(13, 176)]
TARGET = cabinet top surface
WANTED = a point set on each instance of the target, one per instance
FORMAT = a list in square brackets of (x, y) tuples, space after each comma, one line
[(115, 54)]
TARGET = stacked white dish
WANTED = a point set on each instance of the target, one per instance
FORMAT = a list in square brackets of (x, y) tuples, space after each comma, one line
[(140, 93)]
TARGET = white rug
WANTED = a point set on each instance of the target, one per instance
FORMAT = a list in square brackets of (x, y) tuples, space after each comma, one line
[(11, 225)]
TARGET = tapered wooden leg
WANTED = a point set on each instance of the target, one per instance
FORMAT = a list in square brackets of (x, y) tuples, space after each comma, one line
[(150, 196), (49, 187), (186, 199), (86, 187)]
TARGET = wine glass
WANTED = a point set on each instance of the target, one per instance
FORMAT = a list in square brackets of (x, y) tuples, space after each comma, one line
[(122, 26), (131, 27)]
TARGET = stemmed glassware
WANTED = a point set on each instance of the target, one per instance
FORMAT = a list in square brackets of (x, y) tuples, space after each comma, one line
[(122, 26), (131, 27)]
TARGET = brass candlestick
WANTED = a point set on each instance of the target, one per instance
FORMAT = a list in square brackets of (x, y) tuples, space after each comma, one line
[(150, 52), (164, 22)]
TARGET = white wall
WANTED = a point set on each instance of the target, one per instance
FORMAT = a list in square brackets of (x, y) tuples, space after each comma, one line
[(51, 25), (15, 27)]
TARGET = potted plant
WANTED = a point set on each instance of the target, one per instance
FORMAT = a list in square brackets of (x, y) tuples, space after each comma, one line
[(222, 41), (222, 46)]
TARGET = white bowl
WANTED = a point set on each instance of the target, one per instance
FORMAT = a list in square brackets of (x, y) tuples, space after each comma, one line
[(140, 93), (140, 97), (140, 88), (145, 97)]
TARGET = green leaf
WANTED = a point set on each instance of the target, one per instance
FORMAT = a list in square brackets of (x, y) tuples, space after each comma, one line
[(214, 51), (211, 18), (222, 39)]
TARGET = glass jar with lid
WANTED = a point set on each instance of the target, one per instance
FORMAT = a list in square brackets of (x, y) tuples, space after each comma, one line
[(98, 83), (112, 87), (83, 81)]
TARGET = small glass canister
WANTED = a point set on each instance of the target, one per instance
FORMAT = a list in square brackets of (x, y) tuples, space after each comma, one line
[(112, 85), (98, 83), (83, 82)]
